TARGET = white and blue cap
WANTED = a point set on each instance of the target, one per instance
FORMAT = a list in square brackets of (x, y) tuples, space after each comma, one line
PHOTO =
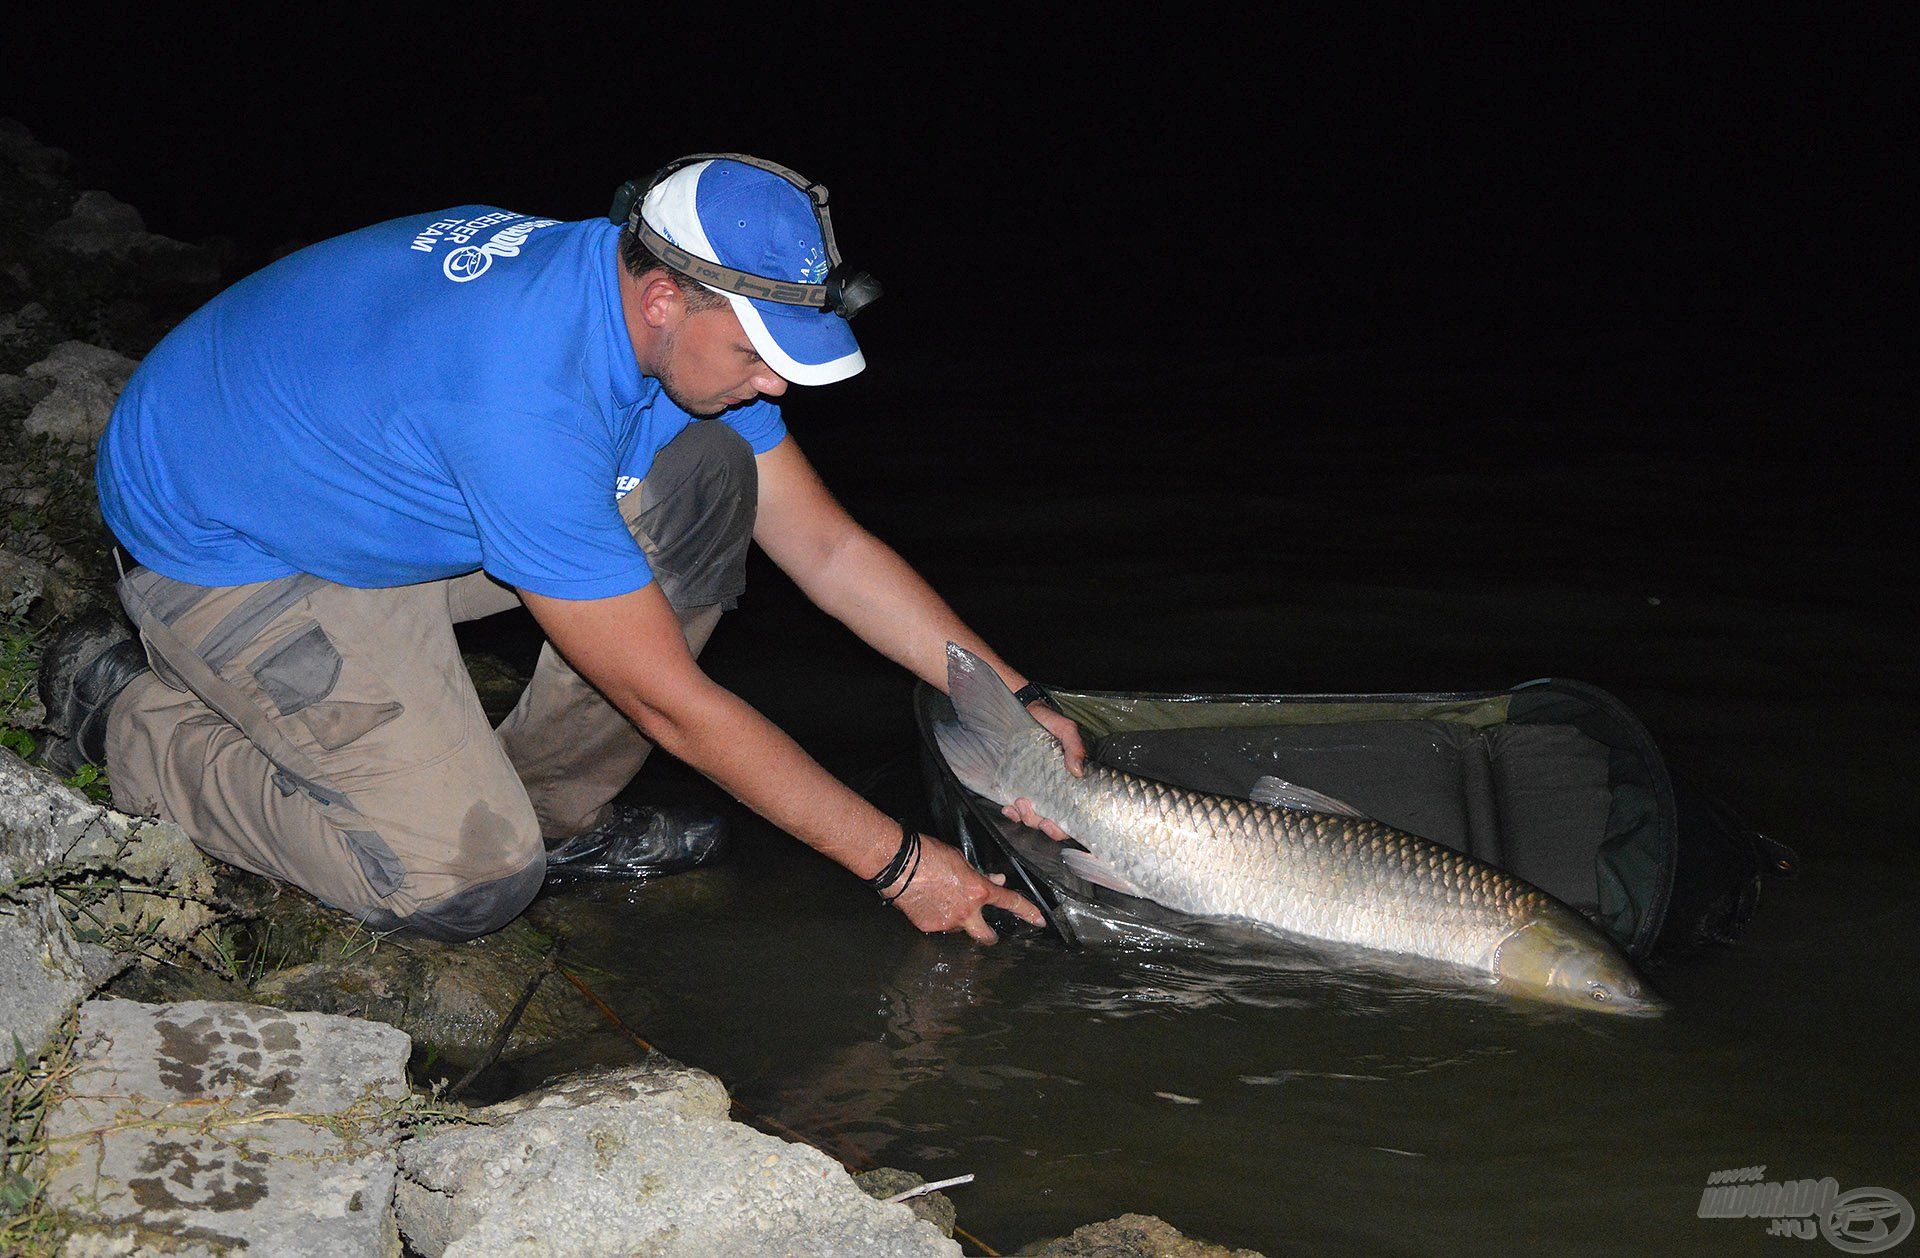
[(757, 232)]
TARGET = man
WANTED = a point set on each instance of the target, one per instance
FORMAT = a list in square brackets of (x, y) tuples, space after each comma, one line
[(426, 421)]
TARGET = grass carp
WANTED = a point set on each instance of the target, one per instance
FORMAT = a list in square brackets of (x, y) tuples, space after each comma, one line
[(1289, 859)]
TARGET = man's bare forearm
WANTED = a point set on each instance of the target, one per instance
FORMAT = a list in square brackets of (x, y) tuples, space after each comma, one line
[(868, 587), (754, 760)]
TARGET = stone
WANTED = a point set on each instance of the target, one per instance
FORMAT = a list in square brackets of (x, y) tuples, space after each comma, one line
[(21, 581), (49, 830), (20, 149), (935, 1207), (452, 997), (582, 1173), (98, 223), (101, 229), (87, 380), (659, 1080), (26, 335), (42, 970), (19, 395), (1132, 1236), (211, 1128)]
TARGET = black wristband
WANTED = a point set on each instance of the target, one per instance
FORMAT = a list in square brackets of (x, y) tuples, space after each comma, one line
[(908, 880), (1031, 693), (909, 842)]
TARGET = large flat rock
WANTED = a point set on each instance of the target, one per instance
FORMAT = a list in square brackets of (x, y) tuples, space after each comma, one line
[(210, 1128), (639, 1162)]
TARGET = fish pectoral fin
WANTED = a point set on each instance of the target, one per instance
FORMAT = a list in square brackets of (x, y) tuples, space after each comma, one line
[(1085, 865), (1279, 793)]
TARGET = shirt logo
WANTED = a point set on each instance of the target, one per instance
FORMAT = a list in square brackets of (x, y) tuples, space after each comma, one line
[(470, 261), (624, 486)]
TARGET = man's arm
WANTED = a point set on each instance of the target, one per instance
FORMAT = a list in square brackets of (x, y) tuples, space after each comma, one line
[(631, 648), (862, 582)]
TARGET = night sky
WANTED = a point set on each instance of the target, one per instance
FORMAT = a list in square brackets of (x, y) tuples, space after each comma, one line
[(1610, 195)]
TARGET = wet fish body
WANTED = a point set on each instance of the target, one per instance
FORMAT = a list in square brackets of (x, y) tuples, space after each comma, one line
[(1288, 860)]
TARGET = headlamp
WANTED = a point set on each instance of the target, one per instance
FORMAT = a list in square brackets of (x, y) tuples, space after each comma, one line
[(844, 291)]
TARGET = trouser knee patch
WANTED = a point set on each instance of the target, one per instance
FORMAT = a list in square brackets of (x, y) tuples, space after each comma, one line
[(471, 911)]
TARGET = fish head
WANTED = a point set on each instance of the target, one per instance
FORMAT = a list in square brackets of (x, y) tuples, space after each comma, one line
[(1569, 963)]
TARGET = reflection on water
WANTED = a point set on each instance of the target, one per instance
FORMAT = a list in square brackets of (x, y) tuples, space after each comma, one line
[(1242, 1087)]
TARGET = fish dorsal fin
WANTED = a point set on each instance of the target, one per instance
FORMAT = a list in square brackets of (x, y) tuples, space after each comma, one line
[(1278, 793), (1091, 868)]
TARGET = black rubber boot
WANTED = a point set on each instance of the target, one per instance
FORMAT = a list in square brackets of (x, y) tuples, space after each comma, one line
[(82, 671), (641, 841)]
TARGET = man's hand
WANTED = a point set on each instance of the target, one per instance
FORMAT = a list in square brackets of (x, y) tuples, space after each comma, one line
[(948, 894), (1062, 728)]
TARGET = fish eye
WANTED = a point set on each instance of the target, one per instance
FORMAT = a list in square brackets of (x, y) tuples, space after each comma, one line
[(1599, 991)]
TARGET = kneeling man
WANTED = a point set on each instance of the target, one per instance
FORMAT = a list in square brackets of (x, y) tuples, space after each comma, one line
[(433, 419)]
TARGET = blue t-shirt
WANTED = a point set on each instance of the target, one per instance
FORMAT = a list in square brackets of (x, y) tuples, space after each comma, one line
[(408, 402)]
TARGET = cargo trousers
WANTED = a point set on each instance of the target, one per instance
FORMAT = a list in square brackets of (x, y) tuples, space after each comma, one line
[(330, 736)]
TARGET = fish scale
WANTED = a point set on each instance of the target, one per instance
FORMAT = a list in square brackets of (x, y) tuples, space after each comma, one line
[(1343, 879)]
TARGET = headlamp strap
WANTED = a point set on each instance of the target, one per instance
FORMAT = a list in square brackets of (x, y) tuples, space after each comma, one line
[(631, 198)]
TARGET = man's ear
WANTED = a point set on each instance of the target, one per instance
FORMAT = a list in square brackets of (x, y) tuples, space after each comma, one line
[(662, 304)]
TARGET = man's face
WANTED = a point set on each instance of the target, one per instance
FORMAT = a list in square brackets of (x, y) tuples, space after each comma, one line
[(707, 364)]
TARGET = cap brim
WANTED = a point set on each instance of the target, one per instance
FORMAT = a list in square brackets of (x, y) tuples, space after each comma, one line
[(804, 345)]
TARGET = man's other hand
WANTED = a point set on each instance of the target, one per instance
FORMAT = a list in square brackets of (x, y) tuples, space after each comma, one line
[(1062, 727), (948, 894)]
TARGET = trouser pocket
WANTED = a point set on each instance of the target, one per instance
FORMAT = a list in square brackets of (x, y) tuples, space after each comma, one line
[(301, 674)]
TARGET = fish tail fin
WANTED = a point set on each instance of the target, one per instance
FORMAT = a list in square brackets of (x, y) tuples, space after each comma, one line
[(975, 763), (990, 716)]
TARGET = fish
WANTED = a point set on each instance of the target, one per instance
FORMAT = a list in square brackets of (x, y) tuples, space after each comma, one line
[(1289, 859)]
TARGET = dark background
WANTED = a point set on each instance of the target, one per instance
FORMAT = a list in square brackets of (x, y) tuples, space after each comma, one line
[(1469, 187)]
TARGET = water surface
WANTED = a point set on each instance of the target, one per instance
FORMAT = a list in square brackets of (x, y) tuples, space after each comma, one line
[(1362, 532)]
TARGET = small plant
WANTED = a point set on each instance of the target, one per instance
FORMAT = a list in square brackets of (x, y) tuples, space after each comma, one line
[(20, 648), (91, 780), (27, 1226)]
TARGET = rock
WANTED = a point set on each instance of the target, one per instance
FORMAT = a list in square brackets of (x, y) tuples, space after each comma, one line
[(1132, 1236), (21, 581), (19, 395), (935, 1207), (451, 996), (579, 1172), (43, 971), (659, 1081), (48, 829), (101, 227), (19, 149), (26, 335), (496, 682), (99, 223), (211, 1128), (87, 381)]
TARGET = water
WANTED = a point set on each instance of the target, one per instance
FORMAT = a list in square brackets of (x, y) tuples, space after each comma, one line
[(1256, 1097)]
